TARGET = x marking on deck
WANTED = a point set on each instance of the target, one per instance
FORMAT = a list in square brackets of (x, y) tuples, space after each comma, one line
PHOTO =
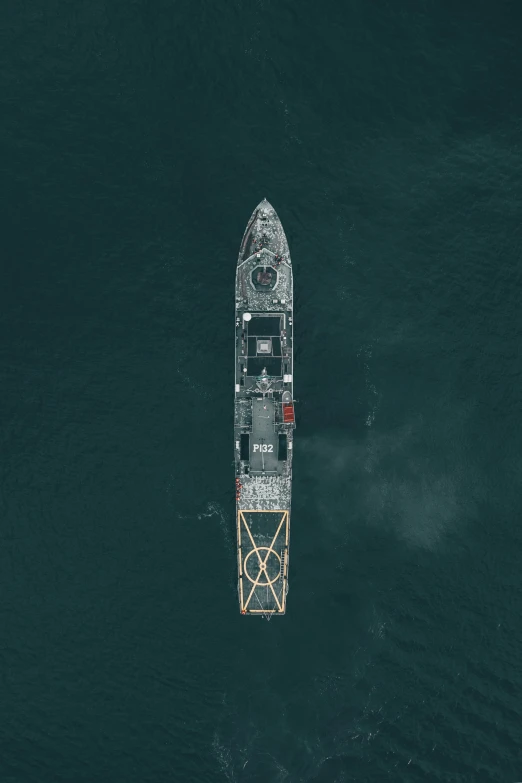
[(263, 561)]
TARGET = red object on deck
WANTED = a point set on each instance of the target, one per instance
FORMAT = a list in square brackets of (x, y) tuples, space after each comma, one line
[(288, 413)]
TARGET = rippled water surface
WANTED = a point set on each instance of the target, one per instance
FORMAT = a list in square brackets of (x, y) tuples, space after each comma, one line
[(137, 139)]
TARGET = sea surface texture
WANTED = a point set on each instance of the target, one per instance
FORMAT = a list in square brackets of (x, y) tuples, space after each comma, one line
[(137, 138)]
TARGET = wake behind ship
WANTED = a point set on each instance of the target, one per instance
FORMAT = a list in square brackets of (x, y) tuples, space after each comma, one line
[(264, 413)]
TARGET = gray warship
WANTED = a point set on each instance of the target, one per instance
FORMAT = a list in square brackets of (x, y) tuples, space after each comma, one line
[(264, 418)]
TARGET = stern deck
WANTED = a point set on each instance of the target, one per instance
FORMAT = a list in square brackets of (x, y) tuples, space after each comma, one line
[(263, 561)]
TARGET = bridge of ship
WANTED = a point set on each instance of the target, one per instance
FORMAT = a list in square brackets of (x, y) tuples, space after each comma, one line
[(262, 345)]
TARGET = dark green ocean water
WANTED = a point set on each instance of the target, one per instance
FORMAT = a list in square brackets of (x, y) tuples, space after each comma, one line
[(136, 139)]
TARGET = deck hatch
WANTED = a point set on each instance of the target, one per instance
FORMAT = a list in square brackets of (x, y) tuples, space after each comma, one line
[(267, 325), (272, 364), (264, 346), (245, 447)]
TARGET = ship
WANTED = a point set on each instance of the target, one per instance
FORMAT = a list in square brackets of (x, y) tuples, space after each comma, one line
[(264, 417)]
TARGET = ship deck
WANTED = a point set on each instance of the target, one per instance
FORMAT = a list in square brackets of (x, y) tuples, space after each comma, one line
[(263, 538), (263, 413)]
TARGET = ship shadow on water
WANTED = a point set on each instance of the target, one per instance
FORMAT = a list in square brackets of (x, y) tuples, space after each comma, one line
[(307, 703)]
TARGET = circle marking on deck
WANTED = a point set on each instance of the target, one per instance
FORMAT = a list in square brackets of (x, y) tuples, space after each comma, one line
[(261, 565)]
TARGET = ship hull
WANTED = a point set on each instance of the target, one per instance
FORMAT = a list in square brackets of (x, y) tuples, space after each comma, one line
[(264, 418)]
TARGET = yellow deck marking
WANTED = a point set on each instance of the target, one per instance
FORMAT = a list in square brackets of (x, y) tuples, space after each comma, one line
[(268, 552), (254, 547), (262, 611), (262, 562)]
